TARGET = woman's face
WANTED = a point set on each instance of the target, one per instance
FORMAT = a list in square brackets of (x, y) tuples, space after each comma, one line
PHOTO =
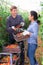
[(30, 17)]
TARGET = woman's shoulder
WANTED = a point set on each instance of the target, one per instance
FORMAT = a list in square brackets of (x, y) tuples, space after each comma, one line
[(35, 24)]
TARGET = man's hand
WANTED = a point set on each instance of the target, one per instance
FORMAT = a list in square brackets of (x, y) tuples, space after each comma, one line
[(19, 35), (14, 28)]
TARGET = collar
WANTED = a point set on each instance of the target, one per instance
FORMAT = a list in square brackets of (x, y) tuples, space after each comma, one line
[(33, 22)]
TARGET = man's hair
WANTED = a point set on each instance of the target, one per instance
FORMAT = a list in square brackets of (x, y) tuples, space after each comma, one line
[(13, 7)]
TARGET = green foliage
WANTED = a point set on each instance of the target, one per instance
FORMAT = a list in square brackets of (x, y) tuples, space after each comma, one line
[(25, 15), (1, 44), (41, 28), (4, 12), (41, 3), (41, 25)]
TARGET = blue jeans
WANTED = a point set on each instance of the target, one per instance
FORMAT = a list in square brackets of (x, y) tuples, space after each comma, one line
[(31, 54)]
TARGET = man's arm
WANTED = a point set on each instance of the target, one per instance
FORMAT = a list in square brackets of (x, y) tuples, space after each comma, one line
[(22, 23), (9, 28)]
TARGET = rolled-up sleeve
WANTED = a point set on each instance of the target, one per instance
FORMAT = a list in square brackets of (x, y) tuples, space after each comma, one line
[(35, 31), (22, 20)]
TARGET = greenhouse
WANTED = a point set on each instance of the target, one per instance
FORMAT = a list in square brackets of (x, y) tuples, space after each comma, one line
[(15, 31)]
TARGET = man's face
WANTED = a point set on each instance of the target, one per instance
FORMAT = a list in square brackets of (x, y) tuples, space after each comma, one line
[(14, 12)]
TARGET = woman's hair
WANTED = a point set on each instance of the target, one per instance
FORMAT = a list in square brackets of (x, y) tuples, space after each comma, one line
[(34, 13)]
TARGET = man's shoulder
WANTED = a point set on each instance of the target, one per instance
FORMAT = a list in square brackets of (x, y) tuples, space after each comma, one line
[(19, 16)]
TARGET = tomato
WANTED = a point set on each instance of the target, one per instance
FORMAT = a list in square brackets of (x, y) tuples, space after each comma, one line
[(12, 46), (15, 57)]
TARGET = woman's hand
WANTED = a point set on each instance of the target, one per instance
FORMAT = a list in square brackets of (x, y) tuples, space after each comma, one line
[(26, 33)]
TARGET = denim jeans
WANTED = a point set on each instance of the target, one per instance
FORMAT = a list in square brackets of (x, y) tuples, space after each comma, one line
[(31, 54)]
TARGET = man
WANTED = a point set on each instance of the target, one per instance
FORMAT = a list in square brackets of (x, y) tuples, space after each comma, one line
[(12, 21)]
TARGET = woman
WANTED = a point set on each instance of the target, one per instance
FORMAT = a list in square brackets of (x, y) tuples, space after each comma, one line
[(32, 40)]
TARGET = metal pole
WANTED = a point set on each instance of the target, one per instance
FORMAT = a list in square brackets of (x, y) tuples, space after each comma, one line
[(11, 59)]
